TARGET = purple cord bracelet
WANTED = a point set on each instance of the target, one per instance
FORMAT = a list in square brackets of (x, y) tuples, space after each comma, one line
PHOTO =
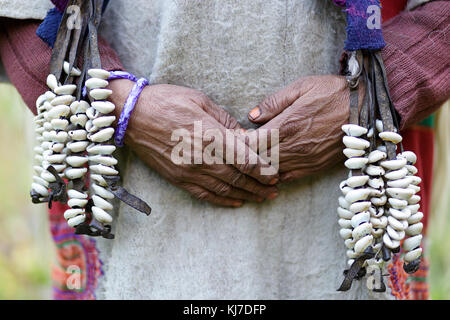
[(129, 104)]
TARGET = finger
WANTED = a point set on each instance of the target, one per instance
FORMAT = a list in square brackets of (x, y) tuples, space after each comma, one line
[(242, 182), (221, 116), (202, 194), (308, 171), (276, 103), (224, 189)]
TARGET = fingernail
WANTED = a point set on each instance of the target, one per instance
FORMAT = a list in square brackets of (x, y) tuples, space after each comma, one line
[(237, 204), (272, 196), (255, 113), (273, 181)]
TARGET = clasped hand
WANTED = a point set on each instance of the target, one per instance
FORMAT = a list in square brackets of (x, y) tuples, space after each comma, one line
[(307, 115)]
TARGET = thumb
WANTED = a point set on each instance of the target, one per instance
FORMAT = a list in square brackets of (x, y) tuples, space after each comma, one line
[(276, 103)]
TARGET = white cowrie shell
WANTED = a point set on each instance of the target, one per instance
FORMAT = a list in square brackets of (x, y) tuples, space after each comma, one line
[(376, 183), (344, 213), (76, 194), (350, 262), (103, 135), (415, 218), (391, 244), (399, 193), (48, 126), (59, 167), (78, 135), (101, 215), (52, 82), (74, 72), (49, 96), (356, 163), (379, 125), (360, 206), (395, 234), (370, 133), (76, 220), (362, 230), (377, 232), (415, 180), (38, 149), (397, 174), (350, 153), (47, 176), (376, 212), (89, 126), (38, 158), (107, 161), (353, 130), (78, 146), (401, 183), (343, 203), (75, 173), (99, 73), (344, 223), (46, 145), (93, 83), (63, 100), (103, 170), (359, 218), (79, 106), (413, 255), (416, 189), (99, 180), (409, 156), (397, 225), (355, 143), (79, 119), (102, 122), (104, 107), (376, 156), (47, 153), (40, 100), (59, 124), (101, 203), (352, 254), (38, 169), (58, 112), (376, 192), (43, 191), (414, 208), (92, 114), (76, 161), (60, 136), (67, 89), (397, 203), (345, 233), (412, 243), (393, 164), (391, 137), (414, 229), (100, 94), (101, 149), (71, 213), (39, 130), (379, 222), (81, 203), (379, 201), (414, 199), (362, 244), (411, 169), (350, 243), (55, 158), (357, 195), (374, 171), (92, 129), (400, 214), (102, 192)]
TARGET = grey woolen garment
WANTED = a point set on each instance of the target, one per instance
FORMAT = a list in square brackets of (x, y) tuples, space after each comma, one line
[(237, 52)]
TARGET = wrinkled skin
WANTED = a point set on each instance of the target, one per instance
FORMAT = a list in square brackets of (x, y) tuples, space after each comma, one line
[(160, 110), (309, 114)]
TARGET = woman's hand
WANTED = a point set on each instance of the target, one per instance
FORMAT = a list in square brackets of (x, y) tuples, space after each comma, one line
[(309, 114), (162, 109)]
